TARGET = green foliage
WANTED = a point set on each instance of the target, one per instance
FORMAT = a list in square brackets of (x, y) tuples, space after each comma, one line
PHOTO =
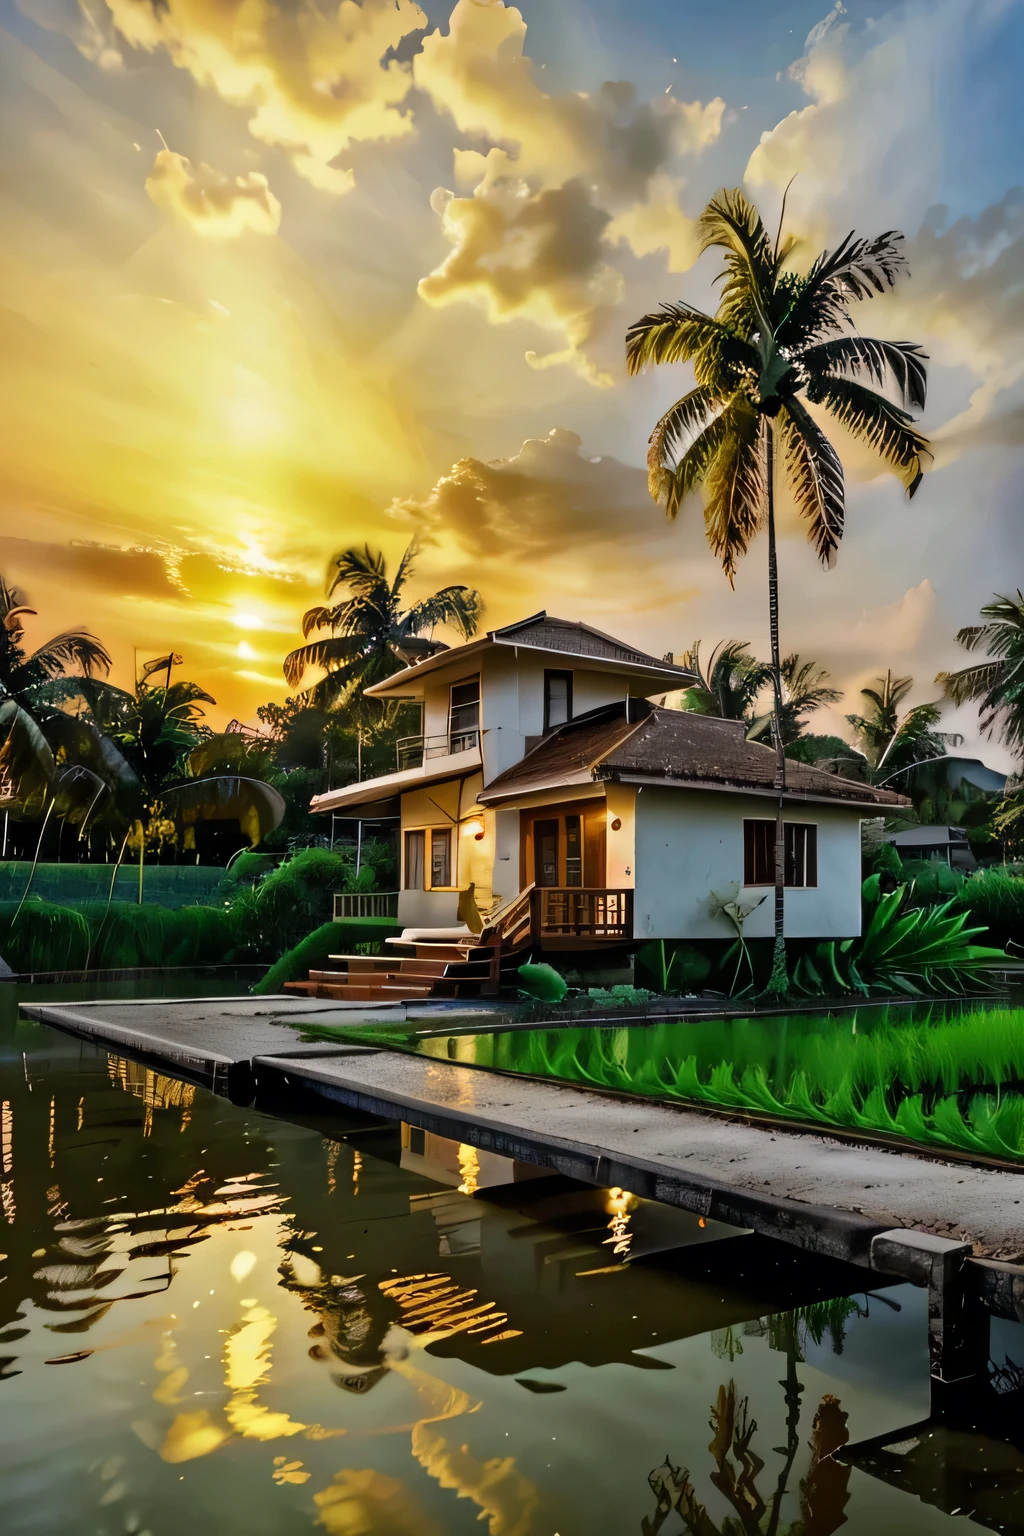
[(995, 897), (683, 967), (944, 1080), (886, 861), (48, 937), (294, 899), (918, 951), (542, 982), (622, 996), (362, 935), (932, 881)]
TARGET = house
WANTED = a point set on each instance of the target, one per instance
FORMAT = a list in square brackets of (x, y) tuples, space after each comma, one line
[(547, 763), (947, 844)]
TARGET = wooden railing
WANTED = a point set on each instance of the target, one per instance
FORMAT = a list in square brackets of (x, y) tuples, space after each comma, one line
[(365, 904), (577, 913)]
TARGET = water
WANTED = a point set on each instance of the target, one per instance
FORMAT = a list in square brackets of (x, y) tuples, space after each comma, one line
[(214, 1321)]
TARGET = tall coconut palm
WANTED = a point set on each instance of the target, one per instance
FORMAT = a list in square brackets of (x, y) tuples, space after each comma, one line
[(29, 696), (360, 639), (779, 342), (996, 685)]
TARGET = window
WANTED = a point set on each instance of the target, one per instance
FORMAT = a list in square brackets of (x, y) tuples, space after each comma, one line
[(573, 850), (441, 856), (557, 699), (414, 850), (464, 716), (801, 846)]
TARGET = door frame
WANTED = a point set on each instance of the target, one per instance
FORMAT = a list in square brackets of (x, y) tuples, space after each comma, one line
[(588, 809)]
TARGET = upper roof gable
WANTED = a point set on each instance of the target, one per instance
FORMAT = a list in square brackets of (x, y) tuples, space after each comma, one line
[(556, 637), (547, 633)]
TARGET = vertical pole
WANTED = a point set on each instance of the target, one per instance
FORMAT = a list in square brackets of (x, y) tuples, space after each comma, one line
[(7, 817), (359, 845), (142, 856), (779, 981)]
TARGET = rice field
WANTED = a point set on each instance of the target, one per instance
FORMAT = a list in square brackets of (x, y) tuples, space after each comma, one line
[(932, 1075)]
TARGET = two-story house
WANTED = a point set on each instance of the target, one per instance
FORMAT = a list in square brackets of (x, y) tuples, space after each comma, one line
[(543, 764)]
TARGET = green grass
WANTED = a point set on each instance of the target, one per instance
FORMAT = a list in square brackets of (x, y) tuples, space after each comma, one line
[(45, 936), (312, 952), (165, 885), (934, 1076)]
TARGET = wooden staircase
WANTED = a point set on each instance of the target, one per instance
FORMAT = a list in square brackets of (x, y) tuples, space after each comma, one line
[(473, 966)]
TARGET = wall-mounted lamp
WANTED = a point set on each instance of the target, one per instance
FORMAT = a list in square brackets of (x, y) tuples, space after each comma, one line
[(474, 828), (617, 824)]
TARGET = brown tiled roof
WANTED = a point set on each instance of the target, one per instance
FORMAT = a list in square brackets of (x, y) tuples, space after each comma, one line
[(675, 746)]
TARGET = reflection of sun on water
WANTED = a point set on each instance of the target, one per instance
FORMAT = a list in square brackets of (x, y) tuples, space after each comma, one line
[(469, 1169), (619, 1203)]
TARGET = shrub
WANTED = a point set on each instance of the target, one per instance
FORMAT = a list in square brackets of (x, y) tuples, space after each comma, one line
[(933, 881), (995, 897), (542, 982), (362, 934), (295, 899)]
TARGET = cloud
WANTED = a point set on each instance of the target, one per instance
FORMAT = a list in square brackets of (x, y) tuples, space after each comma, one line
[(316, 80), (478, 73), (214, 205), (566, 177), (539, 255)]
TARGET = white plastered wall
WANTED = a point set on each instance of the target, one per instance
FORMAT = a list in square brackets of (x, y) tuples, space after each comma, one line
[(689, 843)]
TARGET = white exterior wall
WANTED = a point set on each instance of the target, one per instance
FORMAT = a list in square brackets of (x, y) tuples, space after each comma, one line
[(689, 843), (512, 699), (444, 805)]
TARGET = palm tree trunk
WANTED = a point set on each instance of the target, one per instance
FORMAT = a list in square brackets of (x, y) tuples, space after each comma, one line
[(779, 980)]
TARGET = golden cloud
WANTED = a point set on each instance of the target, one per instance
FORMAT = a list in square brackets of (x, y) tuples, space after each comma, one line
[(478, 73), (316, 80), (216, 206), (538, 255), (588, 169)]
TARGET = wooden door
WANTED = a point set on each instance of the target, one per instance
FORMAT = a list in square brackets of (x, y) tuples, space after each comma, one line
[(546, 850)]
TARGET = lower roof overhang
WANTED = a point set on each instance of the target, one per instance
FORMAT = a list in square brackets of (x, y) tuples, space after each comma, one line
[(765, 792)]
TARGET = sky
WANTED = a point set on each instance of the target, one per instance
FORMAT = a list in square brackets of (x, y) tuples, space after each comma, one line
[(280, 278)]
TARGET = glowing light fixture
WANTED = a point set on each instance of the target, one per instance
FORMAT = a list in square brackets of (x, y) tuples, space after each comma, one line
[(474, 827), (617, 825)]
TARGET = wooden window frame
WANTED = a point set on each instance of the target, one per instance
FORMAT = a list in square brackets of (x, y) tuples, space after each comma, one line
[(446, 885), (759, 853), (421, 833), (549, 673)]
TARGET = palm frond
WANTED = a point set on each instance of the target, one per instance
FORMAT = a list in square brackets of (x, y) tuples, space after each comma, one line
[(735, 483), (858, 268), (815, 476), (969, 684), (334, 654), (732, 222), (459, 606), (404, 568), (364, 570), (686, 419), (900, 364), (875, 420), (679, 333), (73, 648), (316, 618)]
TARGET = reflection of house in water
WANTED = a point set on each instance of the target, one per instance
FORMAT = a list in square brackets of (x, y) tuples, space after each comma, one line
[(961, 1471), (491, 1263)]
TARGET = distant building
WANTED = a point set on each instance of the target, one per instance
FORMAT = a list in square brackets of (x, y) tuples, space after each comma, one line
[(946, 843)]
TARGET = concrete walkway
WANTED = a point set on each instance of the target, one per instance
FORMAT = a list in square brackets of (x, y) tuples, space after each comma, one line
[(826, 1196)]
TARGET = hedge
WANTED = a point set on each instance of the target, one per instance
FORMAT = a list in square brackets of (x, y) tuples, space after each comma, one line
[(314, 951), (47, 937)]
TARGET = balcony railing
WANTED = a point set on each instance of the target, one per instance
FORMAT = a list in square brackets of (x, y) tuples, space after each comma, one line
[(365, 904), (576, 913), (413, 751)]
